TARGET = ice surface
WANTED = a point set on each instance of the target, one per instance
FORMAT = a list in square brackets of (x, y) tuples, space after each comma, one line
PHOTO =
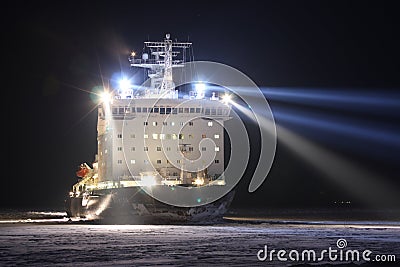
[(230, 244)]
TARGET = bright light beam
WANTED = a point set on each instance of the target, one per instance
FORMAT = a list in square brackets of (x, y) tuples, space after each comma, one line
[(366, 186)]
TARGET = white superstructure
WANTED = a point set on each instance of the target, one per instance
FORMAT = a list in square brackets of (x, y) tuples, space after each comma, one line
[(154, 135)]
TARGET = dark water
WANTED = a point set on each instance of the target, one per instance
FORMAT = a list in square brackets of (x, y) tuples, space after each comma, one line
[(46, 238)]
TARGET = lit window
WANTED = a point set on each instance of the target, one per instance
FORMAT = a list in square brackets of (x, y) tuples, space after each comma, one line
[(105, 151), (181, 136), (146, 148), (172, 123), (146, 136), (168, 136), (119, 161), (174, 136), (133, 136), (133, 161), (181, 123), (217, 148), (210, 123), (119, 148), (203, 136), (133, 148), (155, 136), (146, 161), (158, 148), (203, 148), (154, 123), (190, 136), (216, 161), (162, 136), (119, 135), (216, 136), (159, 161)]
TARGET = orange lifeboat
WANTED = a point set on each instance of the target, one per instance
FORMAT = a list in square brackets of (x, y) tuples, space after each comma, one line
[(83, 170)]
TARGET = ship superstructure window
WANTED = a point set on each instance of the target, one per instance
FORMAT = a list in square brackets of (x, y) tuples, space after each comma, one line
[(181, 123), (158, 148), (145, 136), (144, 110), (168, 148), (162, 136), (216, 136), (219, 111), (119, 148), (180, 110), (191, 110), (190, 136), (213, 111), (105, 151), (119, 135), (156, 110), (190, 123), (133, 148), (165, 123), (217, 148), (186, 110), (119, 161), (146, 148), (121, 110), (168, 111), (174, 136), (203, 136), (133, 135), (178, 161), (210, 123), (138, 109), (162, 110), (203, 148), (114, 111), (154, 123), (174, 111), (146, 161), (145, 123), (155, 136), (168, 136), (207, 112), (159, 161), (216, 161), (172, 123), (133, 161), (190, 148), (198, 110), (181, 136)]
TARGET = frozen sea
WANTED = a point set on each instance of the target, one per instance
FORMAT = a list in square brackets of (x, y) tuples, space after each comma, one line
[(49, 239)]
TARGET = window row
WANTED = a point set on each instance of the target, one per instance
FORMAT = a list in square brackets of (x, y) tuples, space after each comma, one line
[(168, 110), (168, 136), (183, 149), (159, 161)]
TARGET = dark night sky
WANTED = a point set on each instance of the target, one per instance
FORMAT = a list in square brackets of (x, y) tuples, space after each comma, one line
[(53, 50)]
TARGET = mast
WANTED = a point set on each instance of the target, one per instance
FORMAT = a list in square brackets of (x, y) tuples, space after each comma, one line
[(160, 70)]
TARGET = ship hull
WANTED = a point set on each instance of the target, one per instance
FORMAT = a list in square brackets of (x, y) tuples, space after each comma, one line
[(134, 206)]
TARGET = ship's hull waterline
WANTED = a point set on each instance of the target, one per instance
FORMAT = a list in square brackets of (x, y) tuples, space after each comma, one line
[(132, 205)]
